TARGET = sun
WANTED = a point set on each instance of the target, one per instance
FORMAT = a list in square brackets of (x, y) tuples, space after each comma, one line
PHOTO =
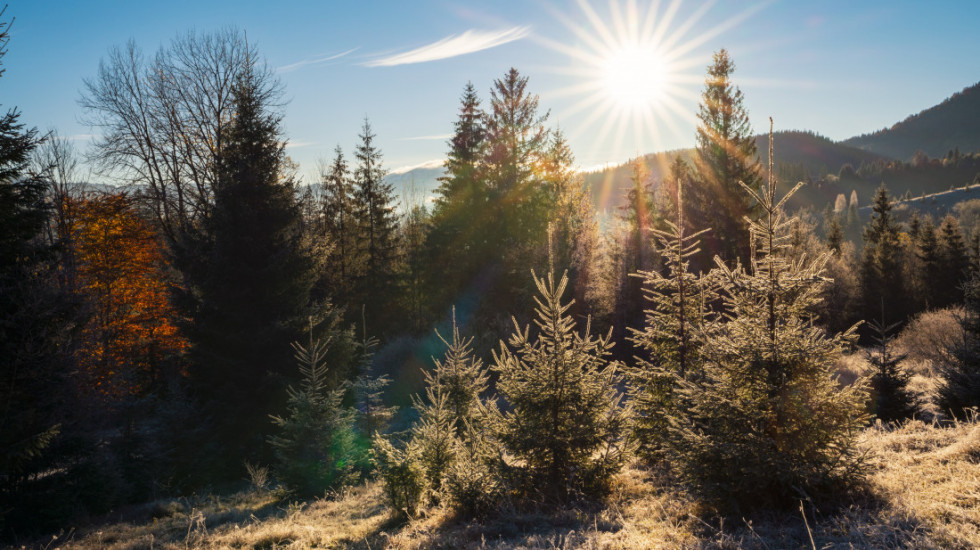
[(635, 70), (635, 76)]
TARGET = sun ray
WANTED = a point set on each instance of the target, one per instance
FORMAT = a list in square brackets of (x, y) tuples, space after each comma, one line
[(637, 68)]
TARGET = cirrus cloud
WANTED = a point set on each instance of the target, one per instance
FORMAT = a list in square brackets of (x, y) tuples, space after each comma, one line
[(454, 45)]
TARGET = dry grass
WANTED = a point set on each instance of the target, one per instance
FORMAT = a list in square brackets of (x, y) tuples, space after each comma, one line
[(924, 492)]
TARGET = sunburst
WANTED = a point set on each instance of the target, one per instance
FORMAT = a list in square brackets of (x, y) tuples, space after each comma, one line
[(638, 72)]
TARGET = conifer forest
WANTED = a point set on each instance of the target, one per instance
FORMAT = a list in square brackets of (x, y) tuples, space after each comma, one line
[(756, 338)]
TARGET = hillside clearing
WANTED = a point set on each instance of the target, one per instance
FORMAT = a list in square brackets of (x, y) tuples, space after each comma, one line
[(924, 493)]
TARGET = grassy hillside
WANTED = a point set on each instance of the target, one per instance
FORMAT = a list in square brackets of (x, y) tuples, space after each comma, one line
[(923, 492), (953, 123)]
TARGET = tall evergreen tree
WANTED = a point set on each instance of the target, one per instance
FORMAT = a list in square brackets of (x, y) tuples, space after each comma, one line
[(517, 204), (456, 245), (726, 156), (254, 296), (377, 226), (881, 274), (414, 229), (340, 229), (928, 262), (638, 216), (955, 261)]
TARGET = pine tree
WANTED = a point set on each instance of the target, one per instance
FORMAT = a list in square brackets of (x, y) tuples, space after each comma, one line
[(314, 446), (414, 229), (890, 396), (255, 287), (959, 387), (955, 261), (881, 274), (462, 377), (768, 418), (726, 156), (572, 215), (377, 226), (835, 234), (565, 426), (448, 428), (452, 404), (340, 230), (37, 323), (672, 335), (928, 261), (456, 244), (373, 417), (517, 207), (853, 216)]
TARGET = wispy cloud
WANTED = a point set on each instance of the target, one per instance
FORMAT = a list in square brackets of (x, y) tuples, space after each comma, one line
[(313, 61), (426, 138), (80, 137), (296, 144), (427, 164), (452, 46)]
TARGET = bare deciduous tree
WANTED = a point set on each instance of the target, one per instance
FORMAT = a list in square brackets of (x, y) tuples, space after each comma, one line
[(162, 119)]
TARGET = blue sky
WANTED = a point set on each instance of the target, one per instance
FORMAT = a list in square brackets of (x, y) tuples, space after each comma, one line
[(839, 68)]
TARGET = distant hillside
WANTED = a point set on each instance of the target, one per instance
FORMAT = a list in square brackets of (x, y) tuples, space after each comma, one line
[(953, 123), (422, 180), (800, 156)]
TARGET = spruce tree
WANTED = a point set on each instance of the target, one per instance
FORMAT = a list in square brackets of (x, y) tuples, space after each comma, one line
[(452, 405), (572, 215), (340, 230), (726, 156), (255, 289), (32, 367), (959, 387), (564, 424), (835, 234), (377, 226), (928, 262), (881, 273), (890, 396), (451, 426), (517, 205), (372, 416), (955, 262), (672, 335), (314, 446), (768, 418), (456, 244)]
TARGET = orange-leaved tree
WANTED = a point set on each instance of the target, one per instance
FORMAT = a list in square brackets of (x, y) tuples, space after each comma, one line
[(130, 335)]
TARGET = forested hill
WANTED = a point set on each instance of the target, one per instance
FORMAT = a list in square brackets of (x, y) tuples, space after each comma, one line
[(800, 156), (953, 123)]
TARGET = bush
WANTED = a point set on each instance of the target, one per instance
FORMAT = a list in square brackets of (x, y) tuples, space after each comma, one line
[(933, 336), (768, 421), (315, 444), (401, 475), (959, 388), (565, 426)]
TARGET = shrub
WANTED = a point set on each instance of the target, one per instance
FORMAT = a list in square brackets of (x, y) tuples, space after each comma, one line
[(891, 398), (315, 444), (565, 425), (768, 420), (401, 475), (959, 388)]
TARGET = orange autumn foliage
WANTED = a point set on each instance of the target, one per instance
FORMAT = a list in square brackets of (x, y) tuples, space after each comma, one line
[(130, 334)]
